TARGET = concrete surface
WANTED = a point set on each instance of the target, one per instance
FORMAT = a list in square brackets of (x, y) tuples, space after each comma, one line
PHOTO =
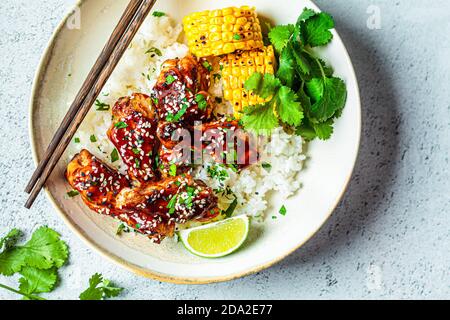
[(389, 237)]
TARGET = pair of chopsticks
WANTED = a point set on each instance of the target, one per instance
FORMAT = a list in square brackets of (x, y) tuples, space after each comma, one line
[(123, 34)]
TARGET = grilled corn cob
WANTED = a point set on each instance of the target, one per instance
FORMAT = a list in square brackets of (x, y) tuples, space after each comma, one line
[(218, 32), (237, 68)]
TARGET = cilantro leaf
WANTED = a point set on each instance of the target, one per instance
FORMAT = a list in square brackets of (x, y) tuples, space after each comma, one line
[(44, 250), (260, 119), (286, 69), (99, 289), (324, 130), (315, 89), (288, 107), (10, 239), (280, 36), (306, 132), (263, 86), (315, 31), (302, 62), (329, 94), (306, 14), (37, 281)]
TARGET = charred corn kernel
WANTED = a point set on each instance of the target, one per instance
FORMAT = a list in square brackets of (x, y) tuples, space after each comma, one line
[(237, 68), (224, 31)]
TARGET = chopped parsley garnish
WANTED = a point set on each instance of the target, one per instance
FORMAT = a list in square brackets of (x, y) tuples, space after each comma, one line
[(172, 203), (175, 118), (77, 140), (154, 51), (201, 101), (208, 66), (283, 211), (93, 138), (136, 151), (217, 76), (114, 155), (122, 228), (102, 106), (217, 172), (170, 79), (237, 37), (173, 170), (158, 14), (137, 163), (73, 193), (304, 94), (121, 125), (266, 166), (230, 211), (156, 101)]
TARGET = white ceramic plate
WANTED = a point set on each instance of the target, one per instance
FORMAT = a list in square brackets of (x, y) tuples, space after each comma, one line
[(328, 171)]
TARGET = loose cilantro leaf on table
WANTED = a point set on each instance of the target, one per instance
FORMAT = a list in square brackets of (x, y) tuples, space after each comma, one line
[(10, 239), (37, 280), (99, 289), (304, 93), (44, 250), (38, 261)]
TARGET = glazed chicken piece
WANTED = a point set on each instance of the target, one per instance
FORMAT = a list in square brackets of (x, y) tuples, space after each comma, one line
[(224, 141), (97, 183), (99, 187), (176, 148), (227, 143), (133, 133), (177, 199), (180, 94), (152, 209)]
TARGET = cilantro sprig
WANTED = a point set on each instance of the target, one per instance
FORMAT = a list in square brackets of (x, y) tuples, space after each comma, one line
[(38, 262), (303, 94), (100, 289)]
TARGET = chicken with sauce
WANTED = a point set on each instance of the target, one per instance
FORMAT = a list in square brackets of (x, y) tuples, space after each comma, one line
[(133, 133), (157, 192)]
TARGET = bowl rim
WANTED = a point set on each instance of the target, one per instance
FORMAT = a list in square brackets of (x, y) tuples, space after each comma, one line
[(39, 74)]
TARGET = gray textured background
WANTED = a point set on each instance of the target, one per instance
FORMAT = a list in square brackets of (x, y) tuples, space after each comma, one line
[(389, 237)]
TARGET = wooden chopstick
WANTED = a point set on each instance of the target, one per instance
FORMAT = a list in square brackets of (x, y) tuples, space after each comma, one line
[(74, 119), (120, 29)]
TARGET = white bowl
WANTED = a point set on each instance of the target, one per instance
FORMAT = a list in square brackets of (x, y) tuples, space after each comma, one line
[(329, 168)]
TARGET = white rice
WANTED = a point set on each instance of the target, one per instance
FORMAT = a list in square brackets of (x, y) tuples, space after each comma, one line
[(138, 71)]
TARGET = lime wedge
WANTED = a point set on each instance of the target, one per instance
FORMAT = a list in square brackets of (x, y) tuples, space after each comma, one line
[(218, 239)]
